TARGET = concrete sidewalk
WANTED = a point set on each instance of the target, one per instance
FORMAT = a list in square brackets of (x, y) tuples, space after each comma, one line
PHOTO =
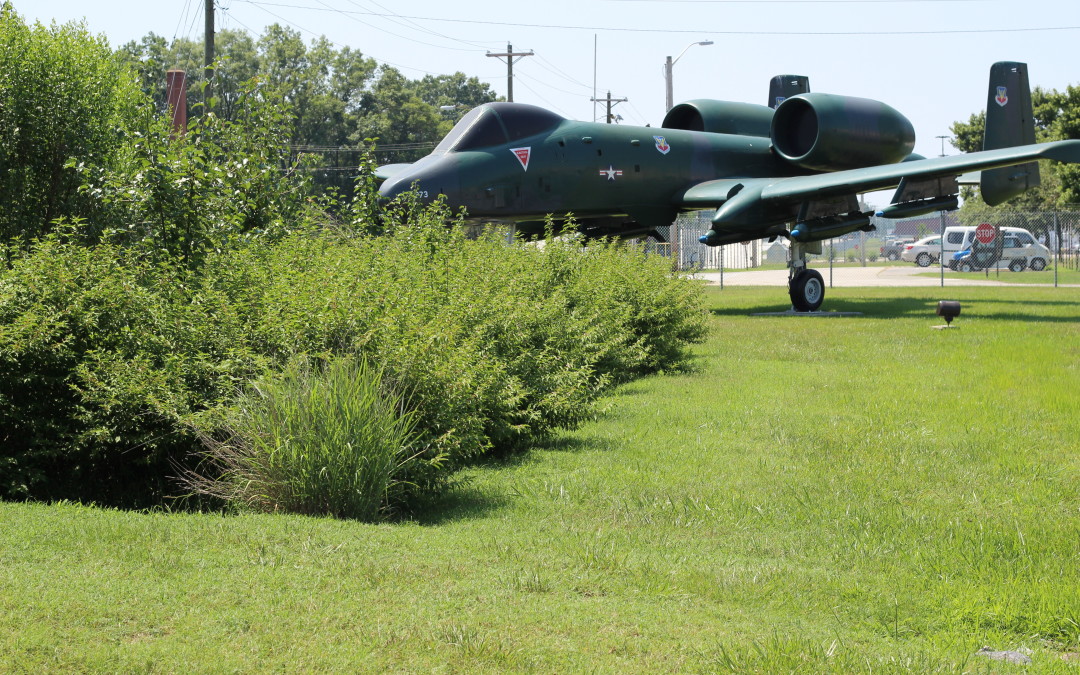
[(849, 277)]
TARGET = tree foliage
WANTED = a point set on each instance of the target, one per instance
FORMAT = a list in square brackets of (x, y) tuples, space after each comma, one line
[(338, 97), (63, 95), (183, 196), (1057, 117)]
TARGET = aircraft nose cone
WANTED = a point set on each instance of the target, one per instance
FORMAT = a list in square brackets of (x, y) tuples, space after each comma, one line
[(429, 180)]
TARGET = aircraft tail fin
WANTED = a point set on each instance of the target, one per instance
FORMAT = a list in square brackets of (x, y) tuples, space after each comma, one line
[(1009, 122), (786, 86)]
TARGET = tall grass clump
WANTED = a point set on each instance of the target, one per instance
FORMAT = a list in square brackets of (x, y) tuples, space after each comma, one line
[(318, 440)]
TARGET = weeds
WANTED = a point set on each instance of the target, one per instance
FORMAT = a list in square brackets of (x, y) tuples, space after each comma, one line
[(327, 440)]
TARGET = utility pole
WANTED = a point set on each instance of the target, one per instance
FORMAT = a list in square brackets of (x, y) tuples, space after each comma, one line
[(208, 49), (941, 226), (611, 102), (669, 95), (510, 61), (669, 98)]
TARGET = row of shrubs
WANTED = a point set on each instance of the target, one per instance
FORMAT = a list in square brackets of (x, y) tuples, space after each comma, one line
[(176, 317), (128, 380)]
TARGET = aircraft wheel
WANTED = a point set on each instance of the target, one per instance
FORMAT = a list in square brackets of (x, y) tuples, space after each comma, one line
[(1017, 265), (807, 291), (923, 260), (1038, 264)]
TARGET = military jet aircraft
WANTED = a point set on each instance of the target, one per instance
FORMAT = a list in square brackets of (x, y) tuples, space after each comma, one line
[(791, 169)]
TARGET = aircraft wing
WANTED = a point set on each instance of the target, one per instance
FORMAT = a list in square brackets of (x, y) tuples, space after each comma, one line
[(753, 204), (889, 175)]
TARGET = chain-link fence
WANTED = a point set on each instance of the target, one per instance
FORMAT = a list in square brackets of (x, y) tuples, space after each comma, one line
[(1022, 242)]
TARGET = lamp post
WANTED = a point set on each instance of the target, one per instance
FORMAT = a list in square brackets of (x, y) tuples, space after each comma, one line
[(669, 64)]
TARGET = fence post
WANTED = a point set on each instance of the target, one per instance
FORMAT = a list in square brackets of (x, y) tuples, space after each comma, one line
[(832, 254), (1057, 247)]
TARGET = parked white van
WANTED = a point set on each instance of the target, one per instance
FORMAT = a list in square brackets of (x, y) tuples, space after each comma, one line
[(1019, 250)]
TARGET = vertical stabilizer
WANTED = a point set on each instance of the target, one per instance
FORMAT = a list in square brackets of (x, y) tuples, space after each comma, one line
[(1009, 122), (786, 86)]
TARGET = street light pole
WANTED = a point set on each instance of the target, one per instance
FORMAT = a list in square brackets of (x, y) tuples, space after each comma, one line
[(668, 65)]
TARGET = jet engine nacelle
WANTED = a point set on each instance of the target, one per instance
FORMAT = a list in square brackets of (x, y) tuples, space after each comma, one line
[(825, 132), (720, 117)]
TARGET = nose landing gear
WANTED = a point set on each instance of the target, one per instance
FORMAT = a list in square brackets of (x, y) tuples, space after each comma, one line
[(806, 288)]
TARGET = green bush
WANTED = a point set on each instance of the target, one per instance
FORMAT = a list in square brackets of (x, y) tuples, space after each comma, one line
[(107, 359), (63, 95), (103, 356), (497, 343), (322, 441)]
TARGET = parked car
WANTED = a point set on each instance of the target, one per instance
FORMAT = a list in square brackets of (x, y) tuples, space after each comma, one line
[(894, 247), (1019, 251), (924, 252)]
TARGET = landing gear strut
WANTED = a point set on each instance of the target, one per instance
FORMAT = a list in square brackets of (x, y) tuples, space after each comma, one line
[(805, 286)]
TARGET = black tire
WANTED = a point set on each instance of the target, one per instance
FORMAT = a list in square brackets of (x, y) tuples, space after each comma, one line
[(967, 267), (924, 260), (807, 291), (1037, 264), (1017, 265), (893, 256), (952, 265)]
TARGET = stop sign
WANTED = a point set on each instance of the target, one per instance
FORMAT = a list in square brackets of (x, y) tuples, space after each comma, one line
[(984, 233)]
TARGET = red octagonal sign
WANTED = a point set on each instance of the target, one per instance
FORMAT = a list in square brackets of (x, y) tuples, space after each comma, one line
[(984, 233)]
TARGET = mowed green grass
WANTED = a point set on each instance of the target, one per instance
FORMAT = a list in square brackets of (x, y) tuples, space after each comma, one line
[(816, 495), (1064, 276)]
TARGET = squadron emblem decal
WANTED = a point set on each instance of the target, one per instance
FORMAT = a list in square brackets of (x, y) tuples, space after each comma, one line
[(662, 145), (522, 155), (1002, 96)]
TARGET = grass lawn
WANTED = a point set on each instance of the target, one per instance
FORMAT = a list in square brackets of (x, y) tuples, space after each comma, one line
[(817, 495), (1064, 276)]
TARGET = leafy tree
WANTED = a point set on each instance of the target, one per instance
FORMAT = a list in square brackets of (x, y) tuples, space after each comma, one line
[(338, 97), (185, 196), (395, 114), (237, 63), (1057, 117), (63, 95), (458, 92)]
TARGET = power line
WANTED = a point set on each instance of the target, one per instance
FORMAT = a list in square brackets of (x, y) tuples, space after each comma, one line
[(260, 5), (798, 2), (554, 70), (418, 27), (696, 31), (350, 15)]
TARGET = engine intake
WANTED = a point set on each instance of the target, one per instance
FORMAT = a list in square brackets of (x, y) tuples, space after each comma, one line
[(825, 132), (720, 117)]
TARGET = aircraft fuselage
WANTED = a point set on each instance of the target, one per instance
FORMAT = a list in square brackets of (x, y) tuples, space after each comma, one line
[(587, 170)]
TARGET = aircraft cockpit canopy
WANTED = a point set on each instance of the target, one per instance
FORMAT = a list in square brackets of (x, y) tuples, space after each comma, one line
[(497, 124)]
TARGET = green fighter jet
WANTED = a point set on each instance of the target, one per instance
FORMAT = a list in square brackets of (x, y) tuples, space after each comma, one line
[(790, 169)]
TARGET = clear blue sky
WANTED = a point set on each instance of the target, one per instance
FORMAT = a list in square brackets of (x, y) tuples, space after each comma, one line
[(927, 58)]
